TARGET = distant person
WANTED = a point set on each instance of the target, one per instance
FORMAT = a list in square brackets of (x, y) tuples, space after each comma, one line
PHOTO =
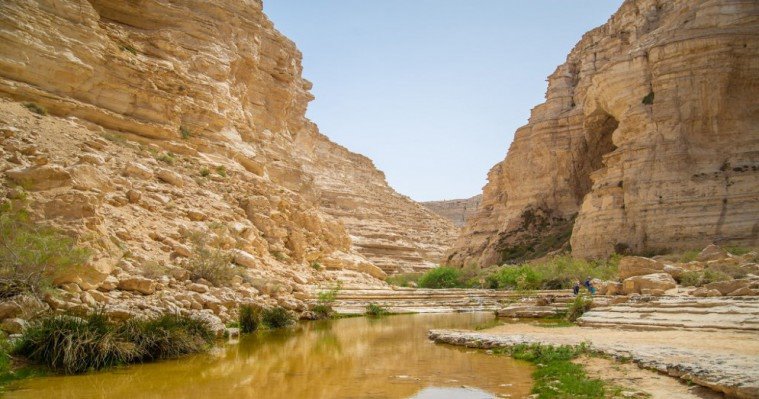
[(589, 286), (576, 288)]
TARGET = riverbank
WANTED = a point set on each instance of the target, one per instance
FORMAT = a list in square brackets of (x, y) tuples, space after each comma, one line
[(725, 361)]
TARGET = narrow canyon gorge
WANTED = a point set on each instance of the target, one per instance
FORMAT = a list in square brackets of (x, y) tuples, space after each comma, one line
[(162, 148)]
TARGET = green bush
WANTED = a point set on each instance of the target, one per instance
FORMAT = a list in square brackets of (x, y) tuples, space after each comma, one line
[(184, 132), (403, 280), (324, 301), (209, 263), (277, 317), (36, 108), (168, 336), (441, 277), (578, 307), (75, 345), (168, 158), (249, 318), (373, 309), (205, 172), (690, 279), (712, 276), (31, 255)]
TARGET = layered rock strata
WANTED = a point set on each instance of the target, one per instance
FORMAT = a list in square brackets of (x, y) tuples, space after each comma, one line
[(648, 140), (457, 211), (192, 113)]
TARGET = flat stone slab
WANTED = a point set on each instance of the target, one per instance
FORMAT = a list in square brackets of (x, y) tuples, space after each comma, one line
[(733, 372)]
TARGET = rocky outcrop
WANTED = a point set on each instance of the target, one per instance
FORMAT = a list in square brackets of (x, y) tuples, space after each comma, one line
[(457, 211), (172, 119), (647, 140)]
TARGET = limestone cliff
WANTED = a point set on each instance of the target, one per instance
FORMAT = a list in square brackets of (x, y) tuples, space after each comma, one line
[(173, 118), (648, 140), (457, 211)]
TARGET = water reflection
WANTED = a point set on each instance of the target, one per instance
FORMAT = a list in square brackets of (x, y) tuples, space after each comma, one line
[(388, 357)]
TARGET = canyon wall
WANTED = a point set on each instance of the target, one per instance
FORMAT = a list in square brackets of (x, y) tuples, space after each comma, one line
[(458, 211), (648, 141), (170, 120)]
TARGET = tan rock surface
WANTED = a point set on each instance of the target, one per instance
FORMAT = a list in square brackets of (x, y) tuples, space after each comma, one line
[(458, 211), (172, 119), (677, 171)]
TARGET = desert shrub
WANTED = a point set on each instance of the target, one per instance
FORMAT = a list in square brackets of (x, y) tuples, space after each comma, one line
[(277, 317), (154, 270), (208, 263), (249, 318), (558, 272), (75, 345), (184, 132), (205, 172), (690, 279), (441, 277), (688, 256), (373, 309), (168, 336), (324, 301), (712, 276), (221, 170), (36, 108), (167, 157), (404, 279), (578, 307), (31, 254), (316, 265)]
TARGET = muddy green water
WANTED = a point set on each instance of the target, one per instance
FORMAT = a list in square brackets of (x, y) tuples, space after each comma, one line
[(388, 357)]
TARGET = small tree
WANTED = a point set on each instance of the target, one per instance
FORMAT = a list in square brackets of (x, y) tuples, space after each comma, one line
[(32, 254)]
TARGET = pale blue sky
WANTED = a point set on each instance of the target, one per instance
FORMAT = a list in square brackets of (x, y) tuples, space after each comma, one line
[(431, 90)]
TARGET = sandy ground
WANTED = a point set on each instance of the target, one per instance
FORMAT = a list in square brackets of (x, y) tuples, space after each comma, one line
[(637, 382)]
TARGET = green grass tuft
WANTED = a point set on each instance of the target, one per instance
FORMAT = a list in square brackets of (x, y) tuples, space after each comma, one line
[(74, 345), (249, 318), (373, 309), (556, 376), (277, 317)]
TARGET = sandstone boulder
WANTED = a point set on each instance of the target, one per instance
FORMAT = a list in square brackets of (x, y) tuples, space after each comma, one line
[(674, 271), (109, 284), (630, 266), (728, 286), (134, 169), (38, 178), (705, 292), (711, 252), (655, 281), (342, 260), (171, 177), (245, 259), (139, 284)]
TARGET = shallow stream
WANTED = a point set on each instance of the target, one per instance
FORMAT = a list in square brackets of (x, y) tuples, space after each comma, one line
[(387, 357)]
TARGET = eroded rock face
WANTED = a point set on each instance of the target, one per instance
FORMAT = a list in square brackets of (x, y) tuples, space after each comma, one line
[(647, 140), (458, 211), (193, 112)]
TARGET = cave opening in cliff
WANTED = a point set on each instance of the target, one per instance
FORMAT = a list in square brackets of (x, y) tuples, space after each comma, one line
[(599, 127)]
